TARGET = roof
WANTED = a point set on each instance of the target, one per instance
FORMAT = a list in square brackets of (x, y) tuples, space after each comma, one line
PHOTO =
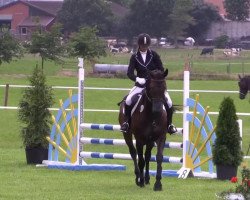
[(53, 6), (50, 7), (43, 21)]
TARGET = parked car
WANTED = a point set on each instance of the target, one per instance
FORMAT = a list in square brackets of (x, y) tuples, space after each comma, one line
[(162, 41)]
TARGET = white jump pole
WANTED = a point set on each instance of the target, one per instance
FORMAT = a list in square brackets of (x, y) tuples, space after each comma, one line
[(240, 127), (186, 88), (79, 160)]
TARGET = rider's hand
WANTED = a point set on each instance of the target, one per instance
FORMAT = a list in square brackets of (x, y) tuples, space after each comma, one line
[(141, 81)]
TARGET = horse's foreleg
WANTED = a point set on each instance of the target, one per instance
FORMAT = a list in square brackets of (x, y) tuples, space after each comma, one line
[(158, 185), (147, 159), (159, 159), (129, 141), (141, 164)]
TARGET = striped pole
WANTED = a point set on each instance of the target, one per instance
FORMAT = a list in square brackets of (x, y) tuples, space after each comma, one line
[(121, 142), (110, 127), (166, 159)]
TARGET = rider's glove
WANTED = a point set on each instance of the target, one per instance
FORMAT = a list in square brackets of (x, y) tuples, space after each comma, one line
[(141, 81)]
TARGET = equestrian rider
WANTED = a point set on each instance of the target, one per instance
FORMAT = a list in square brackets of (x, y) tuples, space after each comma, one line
[(143, 60)]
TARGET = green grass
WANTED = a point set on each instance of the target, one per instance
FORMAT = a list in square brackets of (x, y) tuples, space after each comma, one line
[(28, 182), (20, 181), (173, 59)]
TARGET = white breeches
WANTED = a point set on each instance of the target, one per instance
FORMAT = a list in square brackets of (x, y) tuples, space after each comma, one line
[(136, 90)]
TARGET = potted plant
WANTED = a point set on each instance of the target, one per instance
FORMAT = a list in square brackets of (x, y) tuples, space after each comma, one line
[(242, 188), (227, 154), (34, 113)]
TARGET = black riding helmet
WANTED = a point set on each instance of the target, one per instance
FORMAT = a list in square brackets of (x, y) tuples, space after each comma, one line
[(144, 39)]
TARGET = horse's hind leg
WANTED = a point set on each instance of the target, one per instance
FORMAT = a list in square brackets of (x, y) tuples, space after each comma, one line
[(129, 141), (147, 159)]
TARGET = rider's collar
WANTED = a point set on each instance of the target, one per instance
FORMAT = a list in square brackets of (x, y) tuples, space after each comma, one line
[(143, 52)]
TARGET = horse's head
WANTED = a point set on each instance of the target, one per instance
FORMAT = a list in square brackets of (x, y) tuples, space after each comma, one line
[(155, 88), (244, 86)]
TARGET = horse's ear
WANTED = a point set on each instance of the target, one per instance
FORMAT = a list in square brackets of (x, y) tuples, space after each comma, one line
[(165, 73), (239, 76)]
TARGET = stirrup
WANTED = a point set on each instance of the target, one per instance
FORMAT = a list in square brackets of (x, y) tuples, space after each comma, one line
[(172, 129), (125, 127)]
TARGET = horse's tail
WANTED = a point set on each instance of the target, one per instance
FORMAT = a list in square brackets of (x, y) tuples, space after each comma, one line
[(177, 107), (120, 102)]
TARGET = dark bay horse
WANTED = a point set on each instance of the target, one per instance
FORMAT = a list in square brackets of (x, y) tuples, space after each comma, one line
[(244, 86), (148, 125)]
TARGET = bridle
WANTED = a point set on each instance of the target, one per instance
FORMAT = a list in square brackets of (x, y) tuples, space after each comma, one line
[(150, 99)]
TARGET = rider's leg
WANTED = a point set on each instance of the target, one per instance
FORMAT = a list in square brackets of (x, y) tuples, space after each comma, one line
[(128, 107), (170, 110)]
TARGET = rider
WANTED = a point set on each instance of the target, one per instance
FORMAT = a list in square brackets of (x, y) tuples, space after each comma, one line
[(143, 60)]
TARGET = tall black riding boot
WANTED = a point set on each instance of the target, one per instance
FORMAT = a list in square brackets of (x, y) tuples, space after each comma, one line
[(171, 128), (126, 123)]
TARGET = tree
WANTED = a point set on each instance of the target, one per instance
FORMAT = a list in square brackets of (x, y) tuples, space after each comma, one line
[(237, 10), (47, 44), (125, 3), (226, 148), (34, 112), (161, 10), (94, 13), (150, 16), (180, 18), (9, 47), (86, 44), (204, 15)]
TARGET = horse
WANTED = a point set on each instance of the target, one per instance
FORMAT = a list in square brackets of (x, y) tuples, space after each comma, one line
[(244, 86), (205, 51), (149, 124)]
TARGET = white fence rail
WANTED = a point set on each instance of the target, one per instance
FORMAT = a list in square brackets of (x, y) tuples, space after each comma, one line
[(126, 89)]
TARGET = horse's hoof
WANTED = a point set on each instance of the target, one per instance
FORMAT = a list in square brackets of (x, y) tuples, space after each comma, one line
[(139, 183), (147, 181), (142, 185), (158, 187)]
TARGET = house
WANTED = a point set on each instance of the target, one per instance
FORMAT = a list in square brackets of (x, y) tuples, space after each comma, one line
[(233, 29), (3, 2), (24, 16)]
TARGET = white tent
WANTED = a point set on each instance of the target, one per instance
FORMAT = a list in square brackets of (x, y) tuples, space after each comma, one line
[(189, 41)]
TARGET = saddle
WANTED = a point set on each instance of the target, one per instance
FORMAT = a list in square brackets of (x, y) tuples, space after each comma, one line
[(135, 101)]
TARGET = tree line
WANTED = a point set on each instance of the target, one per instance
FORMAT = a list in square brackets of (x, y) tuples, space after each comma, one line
[(83, 21), (173, 18)]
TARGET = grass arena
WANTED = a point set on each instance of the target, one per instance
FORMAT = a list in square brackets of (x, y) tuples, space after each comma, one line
[(28, 182)]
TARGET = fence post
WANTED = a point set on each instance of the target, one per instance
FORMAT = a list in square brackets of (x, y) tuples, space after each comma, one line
[(6, 95)]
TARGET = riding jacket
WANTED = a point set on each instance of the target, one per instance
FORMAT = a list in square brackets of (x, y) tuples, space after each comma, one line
[(137, 64)]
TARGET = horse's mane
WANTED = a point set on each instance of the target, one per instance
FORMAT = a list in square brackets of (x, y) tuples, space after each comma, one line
[(157, 74)]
